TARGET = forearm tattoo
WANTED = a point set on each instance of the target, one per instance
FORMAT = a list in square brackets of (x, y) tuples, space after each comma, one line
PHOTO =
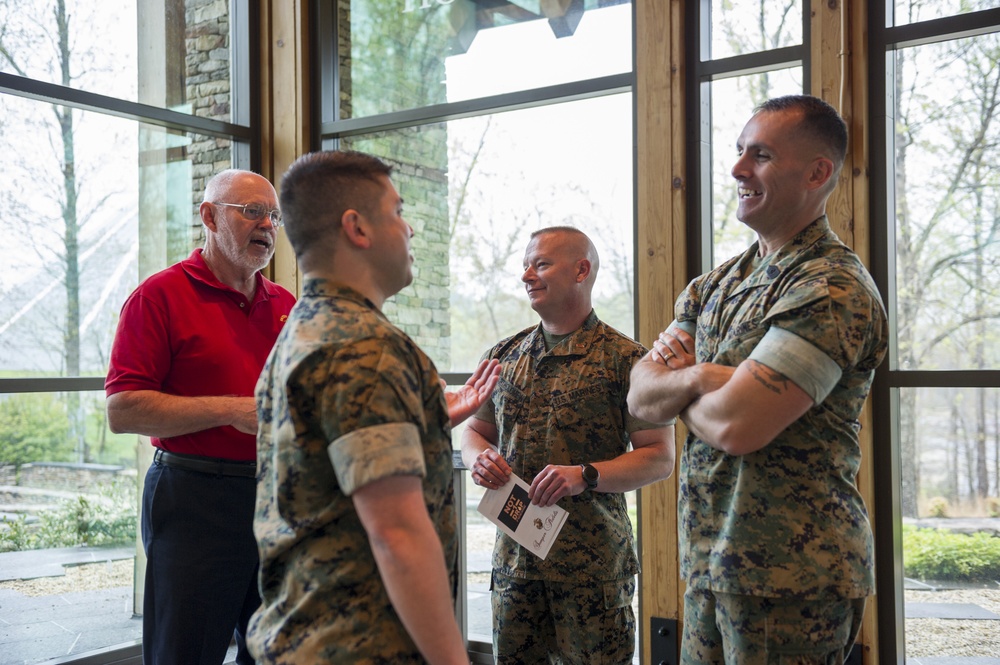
[(776, 382)]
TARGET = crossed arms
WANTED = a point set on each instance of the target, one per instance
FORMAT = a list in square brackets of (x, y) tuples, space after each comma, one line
[(737, 410)]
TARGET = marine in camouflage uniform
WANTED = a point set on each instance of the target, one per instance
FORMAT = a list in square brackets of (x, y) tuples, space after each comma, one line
[(769, 366), (341, 373), (566, 406), (786, 520), (559, 420)]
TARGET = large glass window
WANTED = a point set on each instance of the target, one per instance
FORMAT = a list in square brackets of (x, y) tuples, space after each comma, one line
[(57, 44), (733, 101), (937, 391), (107, 147), (739, 27), (501, 118), (418, 53), (68, 535), (504, 176), (914, 11), (183, 63), (750, 51), (947, 197)]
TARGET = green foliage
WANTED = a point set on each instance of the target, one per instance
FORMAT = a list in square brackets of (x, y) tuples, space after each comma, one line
[(34, 427), (15, 534), (108, 518), (104, 447), (938, 554)]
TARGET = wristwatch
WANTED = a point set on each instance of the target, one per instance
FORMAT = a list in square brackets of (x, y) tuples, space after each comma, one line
[(591, 476)]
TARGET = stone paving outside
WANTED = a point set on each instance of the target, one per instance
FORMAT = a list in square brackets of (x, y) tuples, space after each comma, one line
[(50, 610), (57, 615)]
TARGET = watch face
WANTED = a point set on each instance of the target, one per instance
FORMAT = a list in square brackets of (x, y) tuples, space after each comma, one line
[(591, 475)]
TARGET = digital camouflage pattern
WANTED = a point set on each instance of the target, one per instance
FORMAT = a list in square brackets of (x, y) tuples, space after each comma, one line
[(761, 631), (591, 624), (567, 406), (786, 520), (345, 398)]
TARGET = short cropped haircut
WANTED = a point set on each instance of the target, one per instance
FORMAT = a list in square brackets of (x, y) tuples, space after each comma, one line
[(820, 121), (558, 229), (319, 187), (590, 249)]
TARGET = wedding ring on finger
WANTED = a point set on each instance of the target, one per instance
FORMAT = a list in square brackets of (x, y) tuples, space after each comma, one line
[(669, 356)]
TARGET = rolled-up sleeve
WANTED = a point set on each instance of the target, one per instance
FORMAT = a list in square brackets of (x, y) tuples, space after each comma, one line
[(372, 453)]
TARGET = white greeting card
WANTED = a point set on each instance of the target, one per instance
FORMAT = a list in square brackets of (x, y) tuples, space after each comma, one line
[(533, 527)]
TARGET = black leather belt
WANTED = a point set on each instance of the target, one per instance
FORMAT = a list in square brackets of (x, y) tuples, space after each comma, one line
[(210, 465)]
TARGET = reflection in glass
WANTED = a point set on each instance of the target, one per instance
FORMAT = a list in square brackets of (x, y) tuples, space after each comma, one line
[(407, 54), (479, 538), (70, 215), (950, 447), (475, 189), (733, 102), (947, 196), (89, 212), (60, 509), (740, 27), (914, 11), (183, 63)]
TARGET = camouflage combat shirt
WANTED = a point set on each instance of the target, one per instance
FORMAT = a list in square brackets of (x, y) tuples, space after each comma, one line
[(567, 406), (345, 399), (786, 520)]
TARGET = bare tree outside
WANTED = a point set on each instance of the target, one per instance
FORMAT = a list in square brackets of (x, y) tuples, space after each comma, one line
[(774, 25), (947, 230), (484, 244), (509, 178), (58, 221)]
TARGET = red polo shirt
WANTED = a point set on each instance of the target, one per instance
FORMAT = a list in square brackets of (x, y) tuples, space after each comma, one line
[(183, 332)]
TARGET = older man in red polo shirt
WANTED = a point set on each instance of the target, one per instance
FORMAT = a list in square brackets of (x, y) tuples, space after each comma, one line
[(190, 345)]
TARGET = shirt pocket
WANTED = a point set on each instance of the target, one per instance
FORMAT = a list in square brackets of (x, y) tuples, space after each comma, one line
[(510, 406), (590, 423)]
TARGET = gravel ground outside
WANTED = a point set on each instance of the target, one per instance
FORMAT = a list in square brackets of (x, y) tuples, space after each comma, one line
[(89, 577), (924, 637), (954, 637)]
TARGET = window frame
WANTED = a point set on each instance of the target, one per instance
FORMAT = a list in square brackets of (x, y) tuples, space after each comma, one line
[(702, 71), (331, 129), (884, 39), (244, 133)]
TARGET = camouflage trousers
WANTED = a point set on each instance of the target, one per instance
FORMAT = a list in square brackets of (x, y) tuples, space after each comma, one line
[(749, 630), (537, 622)]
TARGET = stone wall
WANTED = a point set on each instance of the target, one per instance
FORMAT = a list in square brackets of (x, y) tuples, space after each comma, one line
[(64, 476), (419, 155), (207, 91), (422, 309)]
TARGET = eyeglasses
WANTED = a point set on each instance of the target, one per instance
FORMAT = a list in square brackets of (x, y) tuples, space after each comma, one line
[(256, 212)]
